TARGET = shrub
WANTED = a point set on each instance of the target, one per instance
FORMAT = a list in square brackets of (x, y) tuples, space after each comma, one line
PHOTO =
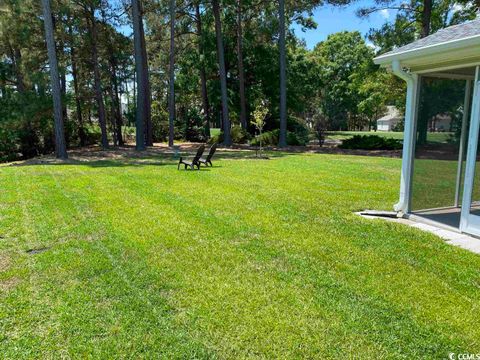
[(160, 128), (8, 145), (299, 130), (239, 136), (295, 139), (270, 138), (92, 136), (320, 125), (26, 125), (129, 134), (195, 133), (216, 139), (259, 115), (371, 142), (188, 125)]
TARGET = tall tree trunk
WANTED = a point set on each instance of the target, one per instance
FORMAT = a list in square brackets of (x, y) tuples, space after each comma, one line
[(171, 97), (140, 76), (203, 76), (3, 83), (63, 84), (127, 92), (223, 74), (63, 90), (78, 105), (426, 18), (60, 146), (148, 95), (18, 69), (283, 77), (110, 92), (16, 56), (97, 80), (135, 86), (241, 71), (117, 112)]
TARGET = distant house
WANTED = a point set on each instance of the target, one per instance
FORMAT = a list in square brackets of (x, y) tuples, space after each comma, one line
[(390, 119), (438, 123)]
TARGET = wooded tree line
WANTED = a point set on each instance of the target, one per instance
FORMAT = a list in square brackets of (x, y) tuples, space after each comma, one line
[(164, 70)]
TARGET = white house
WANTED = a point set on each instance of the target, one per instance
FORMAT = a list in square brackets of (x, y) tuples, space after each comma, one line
[(390, 119), (452, 53)]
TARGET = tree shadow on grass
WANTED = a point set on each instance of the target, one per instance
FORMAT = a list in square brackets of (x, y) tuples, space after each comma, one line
[(93, 163), (132, 158)]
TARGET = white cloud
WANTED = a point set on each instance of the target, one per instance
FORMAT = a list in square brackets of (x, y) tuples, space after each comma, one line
[(385, 14)]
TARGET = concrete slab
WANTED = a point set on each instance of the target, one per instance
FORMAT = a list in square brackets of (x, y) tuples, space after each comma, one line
[(448, 235), (421, 226), (466, 242)]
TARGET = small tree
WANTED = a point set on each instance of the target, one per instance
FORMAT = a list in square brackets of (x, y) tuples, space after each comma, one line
[(259, 115), (320, 125)]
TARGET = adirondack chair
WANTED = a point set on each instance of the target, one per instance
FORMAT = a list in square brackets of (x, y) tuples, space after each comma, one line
[(208, 159), (194, 162)]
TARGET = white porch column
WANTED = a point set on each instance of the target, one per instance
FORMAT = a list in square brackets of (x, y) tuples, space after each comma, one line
[(463, 138), (411, 110), (470, 164)]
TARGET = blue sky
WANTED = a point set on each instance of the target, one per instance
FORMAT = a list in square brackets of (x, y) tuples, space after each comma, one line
[(331, 19), (334, 19)]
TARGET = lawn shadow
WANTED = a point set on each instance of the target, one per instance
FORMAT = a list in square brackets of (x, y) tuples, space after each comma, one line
[(127, 156), (92, 163)]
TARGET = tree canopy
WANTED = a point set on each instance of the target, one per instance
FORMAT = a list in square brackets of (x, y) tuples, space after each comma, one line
[(121, 63)]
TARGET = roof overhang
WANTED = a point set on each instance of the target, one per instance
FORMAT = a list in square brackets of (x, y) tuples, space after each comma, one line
[(453, 54)]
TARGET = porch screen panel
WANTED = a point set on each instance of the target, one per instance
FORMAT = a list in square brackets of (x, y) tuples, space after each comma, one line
[(475, 205), (439, 128), (475, 199)]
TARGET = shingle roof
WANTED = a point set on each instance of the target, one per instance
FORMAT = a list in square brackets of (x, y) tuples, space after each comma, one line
[(456, 32)]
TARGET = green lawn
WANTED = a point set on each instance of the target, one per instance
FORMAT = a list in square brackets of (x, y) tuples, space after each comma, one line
[(249, 259)]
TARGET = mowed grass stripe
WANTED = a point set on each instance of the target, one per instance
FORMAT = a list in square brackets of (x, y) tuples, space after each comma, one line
[(149, 206), (256, 263), (80, 288), (144, 301), (191, 223)]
